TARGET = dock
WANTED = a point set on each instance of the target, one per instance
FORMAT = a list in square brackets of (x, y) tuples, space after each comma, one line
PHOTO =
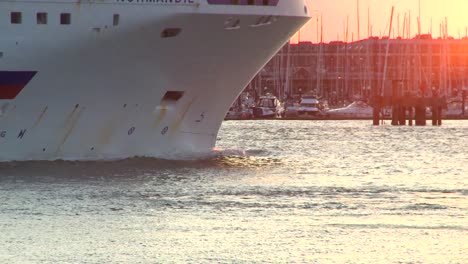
[(405, 110)]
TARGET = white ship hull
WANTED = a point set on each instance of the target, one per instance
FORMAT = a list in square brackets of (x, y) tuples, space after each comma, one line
[(97, 90)]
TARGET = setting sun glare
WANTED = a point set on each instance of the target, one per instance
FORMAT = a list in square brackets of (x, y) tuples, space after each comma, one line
[(340, 18)]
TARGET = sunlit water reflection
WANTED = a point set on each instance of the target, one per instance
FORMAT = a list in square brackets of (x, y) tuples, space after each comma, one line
[(273, 192)]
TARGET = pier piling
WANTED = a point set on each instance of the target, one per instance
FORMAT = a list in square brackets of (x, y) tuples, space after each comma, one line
[(410, 116), (402, 116), (404, 107), (434, 116), (395, 115), (464, 95), (376, 115)]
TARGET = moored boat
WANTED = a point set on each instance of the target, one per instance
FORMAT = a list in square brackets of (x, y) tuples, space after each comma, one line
[(357, 109), (268, 106)]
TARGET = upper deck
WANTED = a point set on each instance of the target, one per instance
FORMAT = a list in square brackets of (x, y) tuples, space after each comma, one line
[(291, 8)]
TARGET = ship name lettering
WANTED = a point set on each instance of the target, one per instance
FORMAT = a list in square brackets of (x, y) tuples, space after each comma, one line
[(3, 134), (159, 1), (21, 133)]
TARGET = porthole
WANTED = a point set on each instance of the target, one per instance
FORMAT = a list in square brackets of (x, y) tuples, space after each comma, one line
[(164, 130)]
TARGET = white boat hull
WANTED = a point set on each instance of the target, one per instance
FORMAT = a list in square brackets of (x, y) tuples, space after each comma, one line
[(97, 91)]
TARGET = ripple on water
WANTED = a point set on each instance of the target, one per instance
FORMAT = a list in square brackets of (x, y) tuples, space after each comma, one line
[(273, 192)]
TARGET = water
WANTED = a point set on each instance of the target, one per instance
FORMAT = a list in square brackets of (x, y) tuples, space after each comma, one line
[(273, 192)]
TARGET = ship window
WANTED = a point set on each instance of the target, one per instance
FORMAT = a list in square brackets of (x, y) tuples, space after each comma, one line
[(266, 2), (250, 2), (65, 19), (15, 17), (41, 18), (116, 19), (234, 2), (170, 32), (173, 96)]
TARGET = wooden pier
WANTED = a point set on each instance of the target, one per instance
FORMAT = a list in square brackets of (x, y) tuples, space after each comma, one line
[(406, 109)]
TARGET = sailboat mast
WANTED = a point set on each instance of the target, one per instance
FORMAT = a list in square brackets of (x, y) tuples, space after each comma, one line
[(317, 29), (386, 53), (368, 22), (447, 54), (409, 24), (398, 16), (419, 17), (358, 27), (287, 88)]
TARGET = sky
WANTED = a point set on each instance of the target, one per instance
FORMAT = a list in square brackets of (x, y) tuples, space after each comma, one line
[(335, 13)]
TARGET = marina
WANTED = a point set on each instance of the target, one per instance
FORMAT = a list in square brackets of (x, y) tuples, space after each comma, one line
[(384, 73), (400, 110)]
